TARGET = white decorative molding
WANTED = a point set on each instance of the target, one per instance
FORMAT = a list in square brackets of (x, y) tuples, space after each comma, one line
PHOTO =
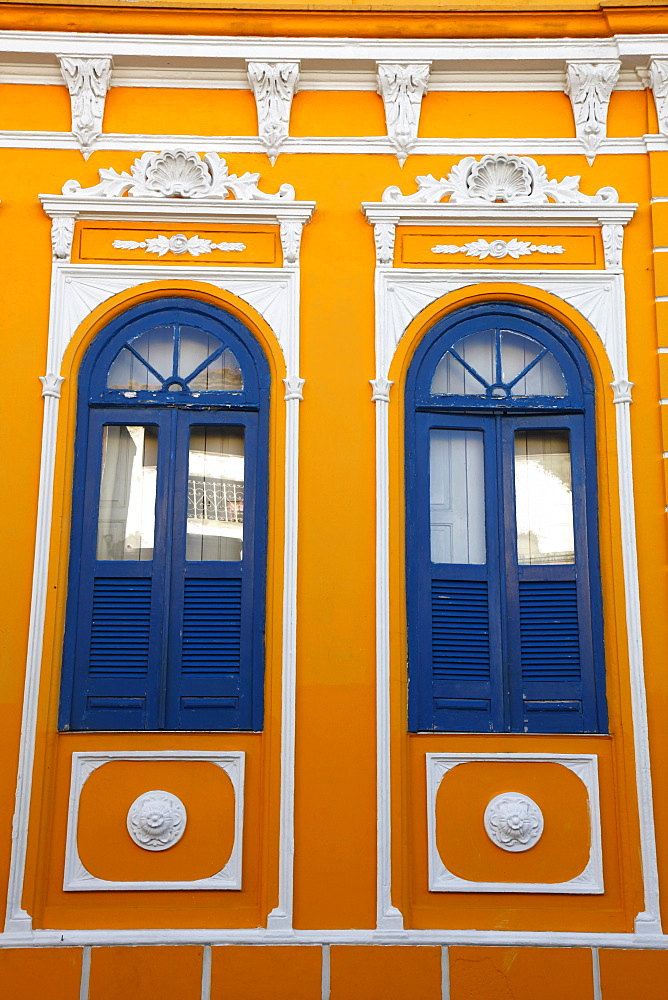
[(513, 822), (499, 248), (599, 295), (613, 242), (179, 243), (77, 877), (293, 387), (181, 186), (76, 290), (177, 173), (88, 79), (291, 237), (381, 390), (510, 179), (621, 390), (402, 87), (51, 385), (62, 236), (274, 84), (657, 79), (384, 234), (156, 820), (589, 86), (585, 766)]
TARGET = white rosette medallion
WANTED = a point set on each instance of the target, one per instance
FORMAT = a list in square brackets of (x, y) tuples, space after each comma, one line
[(156, 820), (513, 822)]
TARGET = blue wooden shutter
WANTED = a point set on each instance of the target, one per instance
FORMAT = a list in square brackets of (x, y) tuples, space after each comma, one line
[(215, 621)]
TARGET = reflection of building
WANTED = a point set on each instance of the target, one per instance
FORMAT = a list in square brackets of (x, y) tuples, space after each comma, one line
[(251, 748)]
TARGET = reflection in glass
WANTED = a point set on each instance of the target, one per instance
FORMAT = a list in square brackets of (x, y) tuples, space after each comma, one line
[(451, 378), (457, 496), (175, 358), (215, 494), (544, 378), (543, 498), (498, 364), (126, 516)]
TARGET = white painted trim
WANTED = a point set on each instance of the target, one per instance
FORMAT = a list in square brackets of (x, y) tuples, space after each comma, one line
[(589, 881), (448, 214), (378, 145), (206, 973), (325, 988), (341, 49), (401, 294), (596, 974), (77, 289), (69, 938), (445, 972), (388, 917), (196, 74), (84, 985), (77, 878)]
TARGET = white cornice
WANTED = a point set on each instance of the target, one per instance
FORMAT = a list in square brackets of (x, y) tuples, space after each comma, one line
[(195, 76), (177, 210), (375, 144), (210, 61), (445, 214)]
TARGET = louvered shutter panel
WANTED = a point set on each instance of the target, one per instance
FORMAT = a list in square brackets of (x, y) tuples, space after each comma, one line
[(460, 655), (210, 669), (116, 646), (551, 658)]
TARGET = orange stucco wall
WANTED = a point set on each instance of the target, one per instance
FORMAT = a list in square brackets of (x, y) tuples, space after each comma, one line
[(335, 803)]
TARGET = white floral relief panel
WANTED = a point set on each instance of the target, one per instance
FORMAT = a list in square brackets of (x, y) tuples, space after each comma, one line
[(156, 820), (514, 823)]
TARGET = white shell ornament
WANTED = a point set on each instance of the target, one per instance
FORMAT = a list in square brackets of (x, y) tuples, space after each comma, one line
[(156, 820), (513, 822)]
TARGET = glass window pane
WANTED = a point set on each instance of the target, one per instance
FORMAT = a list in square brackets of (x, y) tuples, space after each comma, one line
[(543, 498), (544, 379), (457, 497), (126, 515), (127, 372), (452, 378), (215, 494), (155, 346)]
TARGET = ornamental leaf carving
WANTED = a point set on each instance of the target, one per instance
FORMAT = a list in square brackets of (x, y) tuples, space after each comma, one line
[(177, 173), (88, 80), (402, 87), (515, 180), (195, 245), (274, 85), (499, 248), (589, 86)]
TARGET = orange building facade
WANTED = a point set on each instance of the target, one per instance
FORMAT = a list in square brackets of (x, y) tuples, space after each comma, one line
[(382, 784)]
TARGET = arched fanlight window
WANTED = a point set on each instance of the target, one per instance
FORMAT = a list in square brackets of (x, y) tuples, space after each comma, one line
[(504, 605), (165, 608)]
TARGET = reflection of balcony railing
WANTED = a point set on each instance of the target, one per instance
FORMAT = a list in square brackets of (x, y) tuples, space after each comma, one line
[(215, 500)]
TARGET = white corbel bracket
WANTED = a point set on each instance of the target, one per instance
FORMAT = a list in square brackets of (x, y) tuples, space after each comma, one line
[(655, 77), (589, 86), (177, 186), (88, 79), (402, 87), (274, 84)]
